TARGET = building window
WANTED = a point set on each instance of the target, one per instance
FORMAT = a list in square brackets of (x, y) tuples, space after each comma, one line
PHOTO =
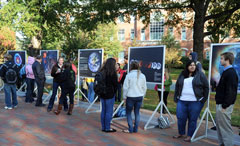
[(184, 15), (171, 31), (121, 35), (184, 50), (184, 37), (132, 34), (156, 29), (143, 35), (121, 19)]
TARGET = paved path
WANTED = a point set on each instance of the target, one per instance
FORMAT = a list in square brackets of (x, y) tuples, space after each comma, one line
[(28, 125)]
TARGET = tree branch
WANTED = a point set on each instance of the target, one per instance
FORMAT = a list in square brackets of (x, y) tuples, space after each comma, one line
[(227, 12), (206, 6)]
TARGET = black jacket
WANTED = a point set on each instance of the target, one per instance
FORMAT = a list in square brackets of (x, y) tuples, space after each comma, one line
[(226, 91), (38, 72), (69, 79), (4, 69), (111, 85), (200, 87), (59, 76)]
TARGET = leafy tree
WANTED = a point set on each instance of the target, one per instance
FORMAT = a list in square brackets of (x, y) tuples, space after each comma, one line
[(173, 49), (105, 36), (7, 41), (204, 12)]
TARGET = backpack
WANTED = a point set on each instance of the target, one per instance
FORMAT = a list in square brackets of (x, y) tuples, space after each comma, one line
[(11, 75), (121, 112), (22, 71), (163, 122), (99, 84)]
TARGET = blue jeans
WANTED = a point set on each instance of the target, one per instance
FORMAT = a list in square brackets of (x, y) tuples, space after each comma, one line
[(188, 110), (30, 89), (107, 112), (91, 92), (135, 103), (119, 91), (54, 93), (10, 89)]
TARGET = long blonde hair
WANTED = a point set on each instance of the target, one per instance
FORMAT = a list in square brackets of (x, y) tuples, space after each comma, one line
[(135, 66)]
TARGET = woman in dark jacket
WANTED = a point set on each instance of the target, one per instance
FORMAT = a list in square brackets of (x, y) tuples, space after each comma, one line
[(69, 88), (191, 92), (107, 100)]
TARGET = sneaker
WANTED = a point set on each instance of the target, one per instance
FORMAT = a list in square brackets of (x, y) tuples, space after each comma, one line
[(8, 108), (15, 106)]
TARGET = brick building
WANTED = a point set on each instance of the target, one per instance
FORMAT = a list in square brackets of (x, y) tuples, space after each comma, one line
[(136, 32)]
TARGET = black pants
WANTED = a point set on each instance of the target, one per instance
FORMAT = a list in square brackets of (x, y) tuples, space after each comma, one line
[(65, 92), (40, 86), (30, 89), (165, 95)]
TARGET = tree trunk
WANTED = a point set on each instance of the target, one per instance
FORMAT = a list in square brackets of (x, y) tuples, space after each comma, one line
[(198, 32), (36, 43)]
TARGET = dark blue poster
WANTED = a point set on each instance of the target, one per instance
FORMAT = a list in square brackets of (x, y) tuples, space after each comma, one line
[(19, 57), (49, 59), (90, 61), (217, 68), (151, 60)]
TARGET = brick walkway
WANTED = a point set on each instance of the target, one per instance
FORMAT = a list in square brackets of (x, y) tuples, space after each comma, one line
[(28, 125)]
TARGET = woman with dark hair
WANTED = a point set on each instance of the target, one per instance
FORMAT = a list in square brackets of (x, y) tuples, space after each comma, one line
[(69, 88), (191, 92), (134, 89), (110, 75)]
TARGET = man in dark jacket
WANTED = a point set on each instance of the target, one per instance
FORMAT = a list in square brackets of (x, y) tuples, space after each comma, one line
[(226, 94), (58, 76), (40, 79), (8, 73)]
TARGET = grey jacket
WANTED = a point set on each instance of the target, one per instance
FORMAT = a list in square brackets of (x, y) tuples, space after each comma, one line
[(200, 87)]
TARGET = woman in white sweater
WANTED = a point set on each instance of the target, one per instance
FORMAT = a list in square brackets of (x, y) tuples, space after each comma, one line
[(134, 89)]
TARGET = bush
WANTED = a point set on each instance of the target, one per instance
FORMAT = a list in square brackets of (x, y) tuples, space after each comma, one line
[(205, 64)]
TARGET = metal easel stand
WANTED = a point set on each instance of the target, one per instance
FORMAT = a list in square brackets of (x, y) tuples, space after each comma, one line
[(118, 118), (77, 92), (161, 105), (90, 106)]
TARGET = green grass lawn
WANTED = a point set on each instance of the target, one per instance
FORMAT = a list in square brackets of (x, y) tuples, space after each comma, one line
[(151, 102)]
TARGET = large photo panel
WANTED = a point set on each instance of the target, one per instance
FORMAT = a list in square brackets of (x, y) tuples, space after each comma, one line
[(90, 62), (19, 57), (49, 59), (151, 59), (217, 68)]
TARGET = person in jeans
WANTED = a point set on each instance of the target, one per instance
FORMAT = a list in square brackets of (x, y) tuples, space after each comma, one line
[(166, 89), (57, 74), (9, 82), (107, 100), (121, 77), (134, 89), (30, 79), (39, 74), (226, 94), (91, 92), (69, 88), (191, 92)]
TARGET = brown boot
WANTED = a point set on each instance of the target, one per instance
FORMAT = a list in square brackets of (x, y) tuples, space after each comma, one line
[(57, 112), (70, 109)]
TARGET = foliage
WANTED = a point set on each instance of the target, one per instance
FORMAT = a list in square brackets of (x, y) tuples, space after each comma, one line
[(7, 40), (173, 49), (105, 36)]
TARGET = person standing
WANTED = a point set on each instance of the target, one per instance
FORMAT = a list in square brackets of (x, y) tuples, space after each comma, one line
[(39, 74), (121, 77), (69, 79), (58, 76), (226, 94), (126, 63), (194, 56), (91, 92), (8, 73), (134, 89), (107, 100), (191, 92), (30, 79), (166, 89)]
